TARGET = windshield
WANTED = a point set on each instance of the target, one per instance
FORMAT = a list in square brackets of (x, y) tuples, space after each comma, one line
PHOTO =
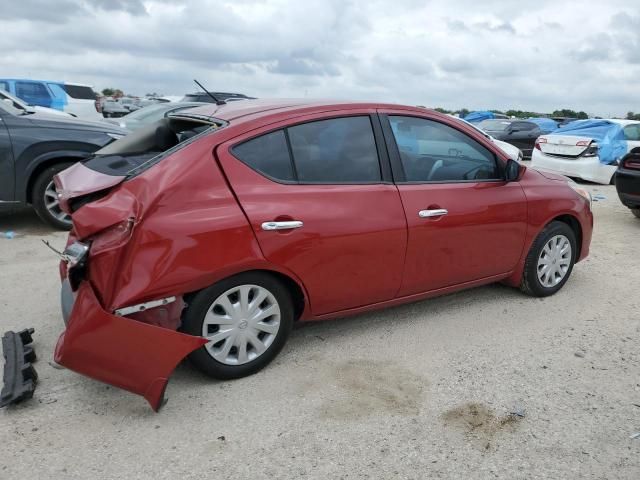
[(494, 125)]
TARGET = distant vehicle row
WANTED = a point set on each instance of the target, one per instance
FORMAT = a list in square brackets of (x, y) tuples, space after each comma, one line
[(76, 99)]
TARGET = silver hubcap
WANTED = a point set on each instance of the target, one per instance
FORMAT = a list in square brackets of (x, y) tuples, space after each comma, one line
[(52, 204), (241, 324), (554, 261)]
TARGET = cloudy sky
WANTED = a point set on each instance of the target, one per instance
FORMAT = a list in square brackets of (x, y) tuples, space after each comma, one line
[(535, 55)]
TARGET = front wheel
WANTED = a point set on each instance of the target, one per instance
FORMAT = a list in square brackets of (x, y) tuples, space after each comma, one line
[(45, 198), (247, 319), (550, 260)]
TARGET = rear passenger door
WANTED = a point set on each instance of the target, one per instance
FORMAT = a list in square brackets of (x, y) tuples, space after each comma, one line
[(319, 196)]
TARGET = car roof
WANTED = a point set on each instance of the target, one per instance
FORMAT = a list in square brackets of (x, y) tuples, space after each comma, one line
[(234, 111)]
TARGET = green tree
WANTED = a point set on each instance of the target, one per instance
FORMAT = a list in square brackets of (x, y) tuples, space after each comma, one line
[(442, 110), (112, 92), (463, 112)]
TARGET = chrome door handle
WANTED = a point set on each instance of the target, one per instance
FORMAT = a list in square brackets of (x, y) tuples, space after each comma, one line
[(282, 225), (433, 213)]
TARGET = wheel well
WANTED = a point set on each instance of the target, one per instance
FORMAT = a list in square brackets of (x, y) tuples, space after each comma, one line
[(41, 168), (574, 224), (297, 295)]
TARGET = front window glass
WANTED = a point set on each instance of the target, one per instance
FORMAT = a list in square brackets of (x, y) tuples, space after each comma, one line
[(434, 152)]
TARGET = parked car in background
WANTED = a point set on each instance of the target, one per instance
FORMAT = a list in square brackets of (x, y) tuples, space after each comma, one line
[(34, 147), (587, 149), (131, 104), (231, 222), (520, 133), (15, 102), (73, 98), (113, 108), (514, 152), (627, 181), (224, 96), (151, 114)]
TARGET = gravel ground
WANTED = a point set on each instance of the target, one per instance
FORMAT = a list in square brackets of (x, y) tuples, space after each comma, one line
[(419, 391)]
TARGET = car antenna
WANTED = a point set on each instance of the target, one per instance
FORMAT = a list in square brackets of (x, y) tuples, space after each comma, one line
[(218, 102)]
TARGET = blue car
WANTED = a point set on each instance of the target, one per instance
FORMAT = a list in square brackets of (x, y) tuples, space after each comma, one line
[(75, 99)]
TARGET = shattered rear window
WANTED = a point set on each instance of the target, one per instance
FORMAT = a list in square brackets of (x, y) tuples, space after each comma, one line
[(145, 147)]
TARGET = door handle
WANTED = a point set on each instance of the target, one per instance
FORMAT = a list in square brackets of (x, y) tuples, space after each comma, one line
[(438, 212), (288, 225)]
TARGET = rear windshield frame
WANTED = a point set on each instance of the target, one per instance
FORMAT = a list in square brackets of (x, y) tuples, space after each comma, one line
[(215, 124)]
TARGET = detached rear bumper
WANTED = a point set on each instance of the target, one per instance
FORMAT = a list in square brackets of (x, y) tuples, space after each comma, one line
[(125, 353)]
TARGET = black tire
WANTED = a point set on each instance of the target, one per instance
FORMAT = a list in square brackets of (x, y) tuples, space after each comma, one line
[(200, 304), (636, 212), (530, 283), (38, 196)]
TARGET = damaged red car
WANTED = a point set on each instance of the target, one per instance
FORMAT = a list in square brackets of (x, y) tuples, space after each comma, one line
[(210, 233)]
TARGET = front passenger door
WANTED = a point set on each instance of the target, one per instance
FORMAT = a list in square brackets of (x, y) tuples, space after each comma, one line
[(465, 222)]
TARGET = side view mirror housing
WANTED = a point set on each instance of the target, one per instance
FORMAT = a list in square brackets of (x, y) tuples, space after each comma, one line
[(512, 171)]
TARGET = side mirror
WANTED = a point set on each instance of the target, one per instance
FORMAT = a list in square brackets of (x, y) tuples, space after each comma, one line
[(512, 170)]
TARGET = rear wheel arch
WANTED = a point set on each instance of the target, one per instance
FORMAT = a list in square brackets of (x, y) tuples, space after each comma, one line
[(297, 292)]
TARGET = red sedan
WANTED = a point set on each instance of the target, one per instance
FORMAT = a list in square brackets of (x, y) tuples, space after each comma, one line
[(211, 232)]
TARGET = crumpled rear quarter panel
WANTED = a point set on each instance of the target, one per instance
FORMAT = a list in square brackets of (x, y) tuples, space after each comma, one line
[(188, 231)]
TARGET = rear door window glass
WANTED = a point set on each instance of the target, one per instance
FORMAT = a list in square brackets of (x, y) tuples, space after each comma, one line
[(338, 150), (434, 152), (268, 154)]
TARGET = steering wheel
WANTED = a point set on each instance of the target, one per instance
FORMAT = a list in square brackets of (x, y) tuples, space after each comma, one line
[(474, 170), (435, 167)]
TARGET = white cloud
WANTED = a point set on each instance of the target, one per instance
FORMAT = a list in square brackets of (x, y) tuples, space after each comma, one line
[(537, 55)]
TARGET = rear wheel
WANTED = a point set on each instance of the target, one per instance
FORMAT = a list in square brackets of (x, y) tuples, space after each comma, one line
[(550, 260), (636, 212), (45, 199), (247, 319)]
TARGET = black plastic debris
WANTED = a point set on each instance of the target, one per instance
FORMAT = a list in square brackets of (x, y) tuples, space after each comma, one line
[(20, 377)]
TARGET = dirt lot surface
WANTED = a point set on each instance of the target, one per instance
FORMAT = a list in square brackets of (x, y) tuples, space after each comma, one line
[(420, 391)]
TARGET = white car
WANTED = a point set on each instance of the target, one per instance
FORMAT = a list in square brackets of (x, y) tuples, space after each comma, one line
[(514, 152), (578, 155), (20, 105)]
